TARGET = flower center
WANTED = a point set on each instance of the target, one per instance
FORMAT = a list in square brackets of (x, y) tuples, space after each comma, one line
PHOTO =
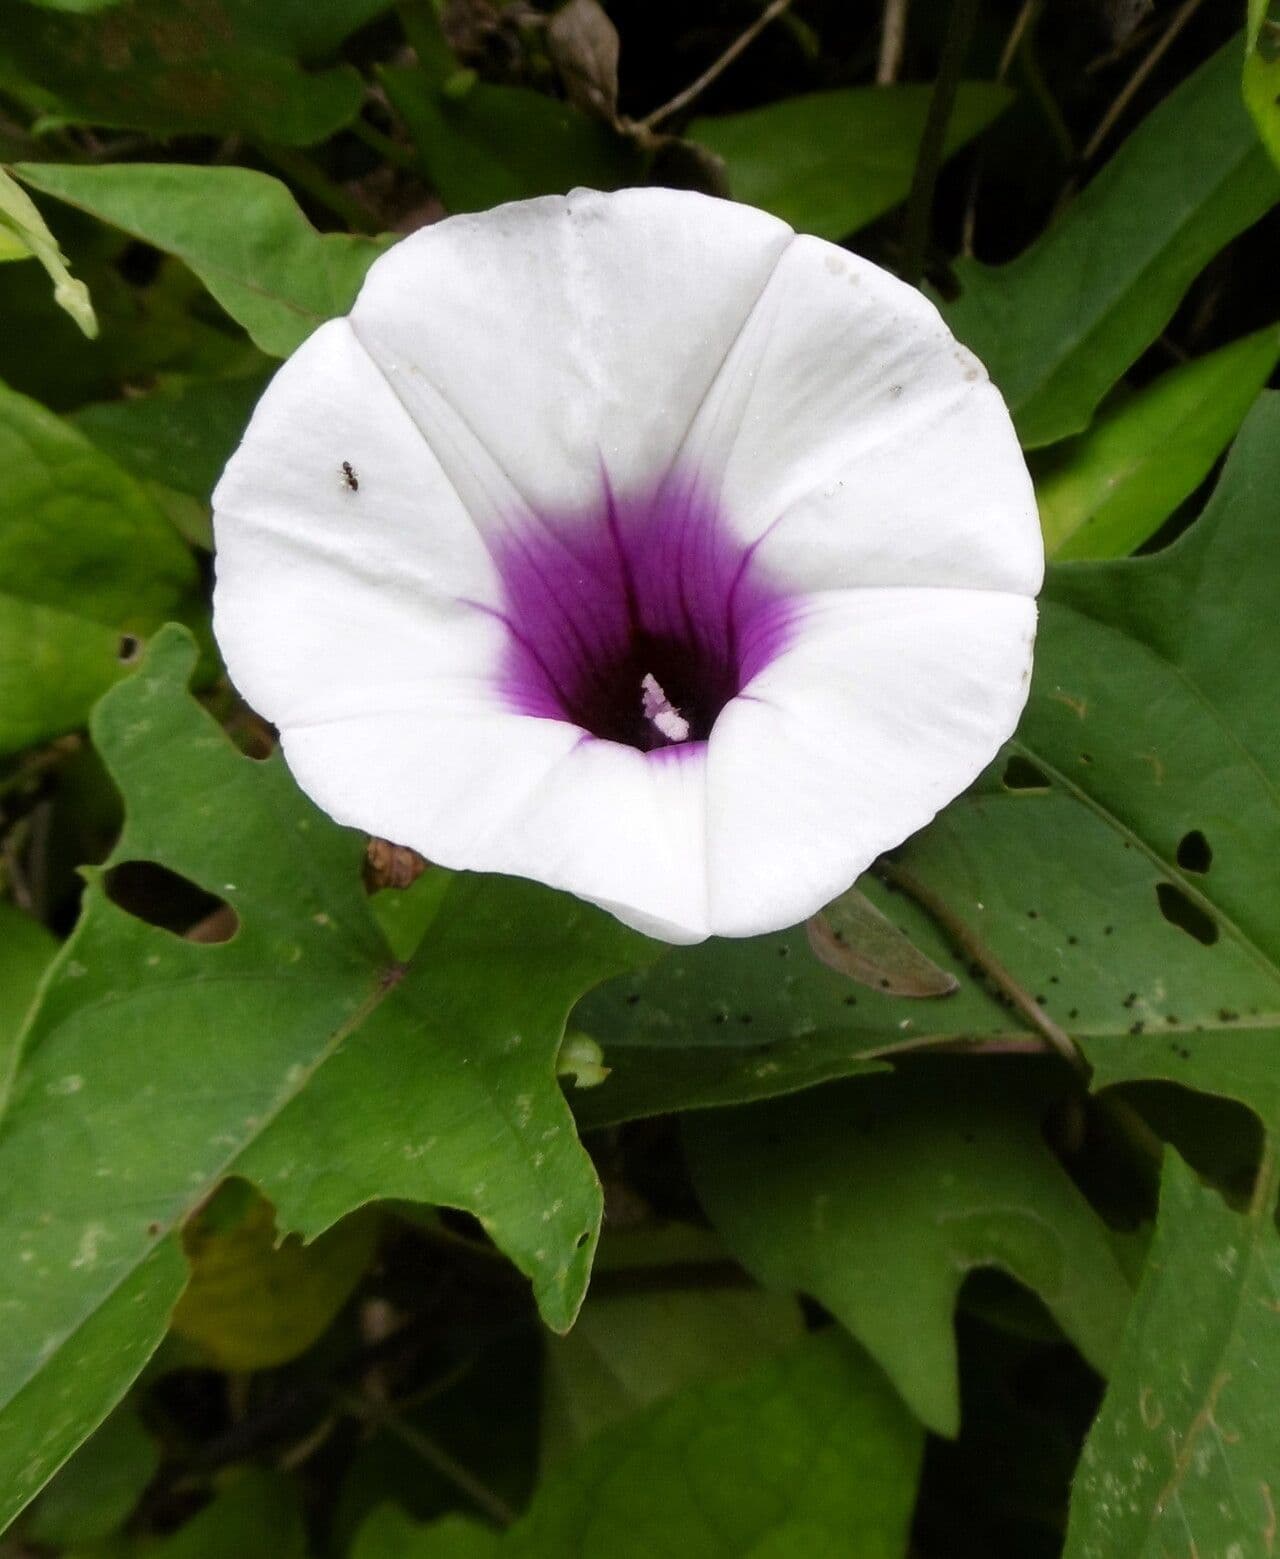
[(638, 621)]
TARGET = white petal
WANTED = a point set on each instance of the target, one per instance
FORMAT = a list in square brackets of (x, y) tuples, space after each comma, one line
[(853, 433), (331, 598), (507, 793), (887, 704), (535, 341)]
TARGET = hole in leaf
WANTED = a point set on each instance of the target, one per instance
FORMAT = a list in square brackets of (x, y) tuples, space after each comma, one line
[(1181, 911), (1021, 774), (163, 898), (1194, 854), (582, 1239), (127, 649)]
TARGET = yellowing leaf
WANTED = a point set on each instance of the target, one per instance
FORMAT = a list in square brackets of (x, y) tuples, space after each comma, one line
[(253, 1303)]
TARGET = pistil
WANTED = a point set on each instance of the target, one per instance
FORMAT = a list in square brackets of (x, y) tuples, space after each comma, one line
[(659, 711)]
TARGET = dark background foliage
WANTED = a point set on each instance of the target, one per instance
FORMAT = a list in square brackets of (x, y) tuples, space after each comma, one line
[(838, 1306)]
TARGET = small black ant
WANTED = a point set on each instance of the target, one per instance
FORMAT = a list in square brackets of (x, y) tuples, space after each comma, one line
[(349, 477)]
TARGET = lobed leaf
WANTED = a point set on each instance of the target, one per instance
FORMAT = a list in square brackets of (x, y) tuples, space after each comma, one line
[(1059, 325), (1184, 1456), (879, 1198), (26, 950), (298, 1055)]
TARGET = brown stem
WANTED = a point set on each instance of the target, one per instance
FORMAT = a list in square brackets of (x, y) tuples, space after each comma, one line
[(682, 99), (1179, 20)]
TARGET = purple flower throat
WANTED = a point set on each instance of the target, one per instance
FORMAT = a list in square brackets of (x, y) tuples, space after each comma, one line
[(638, 620)]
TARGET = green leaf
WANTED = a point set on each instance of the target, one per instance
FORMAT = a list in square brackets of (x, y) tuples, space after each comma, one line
[(71, 1389), (489, 144), (1185, 1454), (298, 1055), (180, 435), (93, 1495), (1105, 493), (256, 1514), (146, 330), (830, 162), (85, 558), (26, 949), (811, 1455), (241, 232), (176, 441), (854, 938), (629, 1350), (1058, 326), (389, 1534), (25, 231), (877, 1198), (253, 1303), (1262, 72), (224, 66), (82, 7), (733, 1020)]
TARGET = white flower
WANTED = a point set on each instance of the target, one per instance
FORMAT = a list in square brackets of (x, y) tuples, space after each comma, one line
[(633, 544)]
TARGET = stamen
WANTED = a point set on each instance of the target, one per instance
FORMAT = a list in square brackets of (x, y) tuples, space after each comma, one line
[(668, 721)]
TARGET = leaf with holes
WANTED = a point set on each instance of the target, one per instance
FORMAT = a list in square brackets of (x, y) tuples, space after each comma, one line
[(879, 1197), (830, 162), (241, 232), (1185, 1454), (221, 67), (1113, 871), (88, 564), (298, 1055), (1059, 325)]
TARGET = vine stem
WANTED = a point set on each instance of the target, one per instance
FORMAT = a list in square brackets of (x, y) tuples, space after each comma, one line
[(435, 1456), (893, 40), (1149, 63), (964, 13), (682, 99)]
